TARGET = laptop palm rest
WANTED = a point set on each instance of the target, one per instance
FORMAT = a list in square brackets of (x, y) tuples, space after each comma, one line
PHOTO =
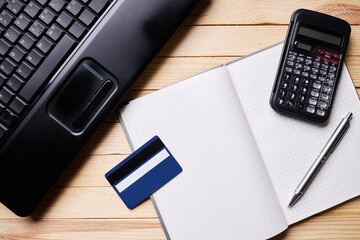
[(84, 92)]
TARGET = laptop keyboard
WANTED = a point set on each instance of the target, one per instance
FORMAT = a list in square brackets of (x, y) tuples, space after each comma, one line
[(35, 39)]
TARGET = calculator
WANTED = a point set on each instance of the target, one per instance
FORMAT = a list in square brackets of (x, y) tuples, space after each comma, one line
[(310, 65)]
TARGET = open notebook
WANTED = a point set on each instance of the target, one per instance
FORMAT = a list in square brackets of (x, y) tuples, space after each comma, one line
[(241, 160)]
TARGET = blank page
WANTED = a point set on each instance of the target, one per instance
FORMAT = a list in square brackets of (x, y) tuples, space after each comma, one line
[(224, 191), (289, 146)]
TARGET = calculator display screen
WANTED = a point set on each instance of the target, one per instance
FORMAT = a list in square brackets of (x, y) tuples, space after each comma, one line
[(322, 36)]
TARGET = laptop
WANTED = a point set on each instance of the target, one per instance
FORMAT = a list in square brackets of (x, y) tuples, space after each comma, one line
[(64, 67)]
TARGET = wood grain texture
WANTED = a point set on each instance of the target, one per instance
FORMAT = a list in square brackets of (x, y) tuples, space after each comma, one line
[(83, 205)]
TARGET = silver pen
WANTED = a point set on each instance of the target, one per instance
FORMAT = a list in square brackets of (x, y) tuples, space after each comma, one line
[(329, 147)]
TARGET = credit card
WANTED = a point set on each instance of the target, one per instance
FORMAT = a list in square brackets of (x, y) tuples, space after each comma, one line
[(143, 172)]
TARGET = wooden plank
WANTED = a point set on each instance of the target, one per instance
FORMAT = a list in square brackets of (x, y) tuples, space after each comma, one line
[(164, 72), (66, 229), (232, 40), (85, 202), (267, 12)]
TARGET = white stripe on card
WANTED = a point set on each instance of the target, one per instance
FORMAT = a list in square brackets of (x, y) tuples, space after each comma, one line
[(141, 171)]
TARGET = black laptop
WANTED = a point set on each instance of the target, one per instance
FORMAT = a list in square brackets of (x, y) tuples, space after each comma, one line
[(64, 67)]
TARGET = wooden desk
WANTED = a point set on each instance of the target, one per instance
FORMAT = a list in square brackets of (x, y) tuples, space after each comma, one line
[(84, 206)]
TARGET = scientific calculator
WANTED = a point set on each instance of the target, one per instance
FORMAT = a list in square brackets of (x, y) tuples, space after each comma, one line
[(310, 65)]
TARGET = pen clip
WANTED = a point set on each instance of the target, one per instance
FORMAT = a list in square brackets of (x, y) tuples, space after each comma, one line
[(342, 136)]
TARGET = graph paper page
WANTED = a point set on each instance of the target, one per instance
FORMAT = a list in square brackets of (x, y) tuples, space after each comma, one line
[(224, 191), (289, 146)]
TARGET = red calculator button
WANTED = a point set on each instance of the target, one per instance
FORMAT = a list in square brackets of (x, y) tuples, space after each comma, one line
[(328, 53), (321, 51), (334, 61), (326, 59), (336, 55), (318, 57)]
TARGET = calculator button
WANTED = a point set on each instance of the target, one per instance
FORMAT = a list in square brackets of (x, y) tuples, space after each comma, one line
[(318, 57), (280, 100), (332, 69), (310, 109), (313, 76), (296, 79), (317, 85), (322, 79), (328, 53), (304, 90), (284, 84), (324, 66), (297, 72), (305, 74), (300, 59), (316, 64), (326, 59), (334, 61), (336, 55), (287, 77), (292, 96), (302, 98), (295, 87), (315, 70), (290, 63), (314, 93), (298, 65), (322, 72), (288, 69), (326, 89), (306, 82), (320, 112), (320, 51), (300, 105), (322, 105), (308, 61), (330, 76), (330, 82), (282, 93), (291, 57), (291, 103), (312, 101), (324, 97), (306, 68)]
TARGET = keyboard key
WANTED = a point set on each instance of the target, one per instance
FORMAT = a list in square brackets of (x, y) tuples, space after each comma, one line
[(57, 5), (42, 2), (54, 32), (12, 34), (47, 16), (5, 96), (77, 30), (32, 9), (7, 66), (98, 5), (24, 70), (15, 6), (17, 54), (320, 112), (44, 45), (22, 22), (14, 83), (18, 106), (37, 28), (4, 47), (310, 109), (312, 101), (74, 8), (27, 41), (3, 79), (52, 61), (8, 118), (5, 18), (34, 57), (87, 17), (64, 20)]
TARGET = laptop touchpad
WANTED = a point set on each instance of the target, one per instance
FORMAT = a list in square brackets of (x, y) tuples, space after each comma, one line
[(85, 91)]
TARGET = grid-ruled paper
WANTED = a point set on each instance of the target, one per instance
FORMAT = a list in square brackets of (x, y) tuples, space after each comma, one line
[(289, 146), (224, 191)]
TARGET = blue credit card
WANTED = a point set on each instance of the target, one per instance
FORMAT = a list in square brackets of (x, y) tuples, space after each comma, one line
[(143, 172)]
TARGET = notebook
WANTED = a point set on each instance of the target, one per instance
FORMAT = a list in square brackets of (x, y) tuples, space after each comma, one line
[(241, 160)]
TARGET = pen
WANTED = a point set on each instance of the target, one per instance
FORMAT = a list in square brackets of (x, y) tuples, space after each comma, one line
[(329, 148)]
